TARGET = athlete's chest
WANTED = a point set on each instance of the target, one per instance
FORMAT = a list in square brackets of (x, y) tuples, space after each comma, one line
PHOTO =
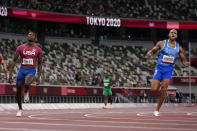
[(170, 51), (29, 52), (169, 54), (106, 80)]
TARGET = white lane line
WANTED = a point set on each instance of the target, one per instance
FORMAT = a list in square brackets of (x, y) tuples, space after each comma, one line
[(174, 113), (49, 114), (192, 113), (140, 122), (180, 119), (27, 129), (185, 122), (46, 118), (100, 126)]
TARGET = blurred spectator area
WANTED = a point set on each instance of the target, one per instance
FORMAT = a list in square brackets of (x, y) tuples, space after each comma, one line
[(138, 9), (64, 58)]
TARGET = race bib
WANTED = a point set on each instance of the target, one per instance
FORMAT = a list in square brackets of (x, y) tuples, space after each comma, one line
[(27, 62), (168, 59), (106, 84)]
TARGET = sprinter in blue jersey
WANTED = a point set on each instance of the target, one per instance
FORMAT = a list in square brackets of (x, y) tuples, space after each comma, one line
[(168, 52)]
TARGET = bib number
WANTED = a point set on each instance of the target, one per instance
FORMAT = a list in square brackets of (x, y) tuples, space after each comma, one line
[(106, 84), (168, 59), (27, 62)]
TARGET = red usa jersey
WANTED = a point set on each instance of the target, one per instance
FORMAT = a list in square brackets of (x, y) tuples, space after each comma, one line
[(28, 55)]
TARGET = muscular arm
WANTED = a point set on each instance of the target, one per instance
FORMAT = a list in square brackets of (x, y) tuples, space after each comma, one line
[(4, 65), (39, 69), (12, 66), (182, 56), (155, 49)]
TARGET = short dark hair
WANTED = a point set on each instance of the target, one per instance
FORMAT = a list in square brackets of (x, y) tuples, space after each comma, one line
[(32, 32)]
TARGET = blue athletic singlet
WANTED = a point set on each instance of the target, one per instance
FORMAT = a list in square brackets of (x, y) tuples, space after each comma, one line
[(165, 62)]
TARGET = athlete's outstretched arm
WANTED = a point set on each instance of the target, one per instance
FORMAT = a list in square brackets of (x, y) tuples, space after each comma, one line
[(154, 49), (12, 66), (4, 65), (182, 56), (39, 69)]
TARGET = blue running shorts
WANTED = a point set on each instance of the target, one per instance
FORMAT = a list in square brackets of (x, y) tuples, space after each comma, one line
[(163, 72), (23, 73)]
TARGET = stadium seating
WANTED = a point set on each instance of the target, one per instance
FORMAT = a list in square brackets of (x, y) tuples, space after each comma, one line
[(140, 9), (63, 60)]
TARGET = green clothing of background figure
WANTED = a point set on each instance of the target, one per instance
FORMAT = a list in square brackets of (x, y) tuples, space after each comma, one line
[(107, 91), (106, 86)]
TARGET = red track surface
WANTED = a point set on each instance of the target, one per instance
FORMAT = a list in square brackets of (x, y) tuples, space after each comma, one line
[(172, 118)]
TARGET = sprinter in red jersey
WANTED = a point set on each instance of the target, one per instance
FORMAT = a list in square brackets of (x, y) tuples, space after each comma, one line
[(29, 54)]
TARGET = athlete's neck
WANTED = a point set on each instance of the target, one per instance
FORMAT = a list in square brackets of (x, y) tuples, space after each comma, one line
[(171, 41), (30, 44)]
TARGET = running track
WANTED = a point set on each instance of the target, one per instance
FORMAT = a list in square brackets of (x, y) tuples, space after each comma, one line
[(173, 118)]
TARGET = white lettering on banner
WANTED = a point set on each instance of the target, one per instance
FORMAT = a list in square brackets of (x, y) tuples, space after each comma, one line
[(187, 80), (88, 20), (103, 21), (71, 91), (3, 11), (171, 93), (95, 91), (95, 21), (151, 24), (99, 19), (45, 90), (14, 89), (172, 25), (33, 15)]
